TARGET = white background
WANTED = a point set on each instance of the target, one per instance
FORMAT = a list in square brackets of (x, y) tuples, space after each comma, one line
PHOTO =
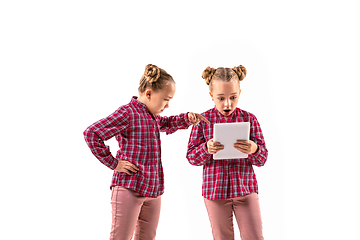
[(66, 64)]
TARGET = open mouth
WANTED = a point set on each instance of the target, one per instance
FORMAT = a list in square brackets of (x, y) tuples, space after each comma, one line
[(227, 110)]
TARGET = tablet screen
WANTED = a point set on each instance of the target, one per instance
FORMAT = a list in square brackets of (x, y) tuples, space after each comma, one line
[(227, 134)]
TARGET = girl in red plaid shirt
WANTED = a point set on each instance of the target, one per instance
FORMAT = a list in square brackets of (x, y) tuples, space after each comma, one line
[(138, 180), (229, 185)]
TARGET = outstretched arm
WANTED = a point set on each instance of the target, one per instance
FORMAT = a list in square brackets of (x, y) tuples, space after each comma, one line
[(182, 121)]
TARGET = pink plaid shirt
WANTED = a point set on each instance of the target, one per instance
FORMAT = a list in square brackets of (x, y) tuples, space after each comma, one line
[(227, 178), (138, 134)]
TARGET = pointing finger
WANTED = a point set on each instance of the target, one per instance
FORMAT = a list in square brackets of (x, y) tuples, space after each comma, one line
[(203, 118)]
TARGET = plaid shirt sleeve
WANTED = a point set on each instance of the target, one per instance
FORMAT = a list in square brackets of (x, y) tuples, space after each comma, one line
[(259, 158), (102, 130), (173, 123), (197, 153)]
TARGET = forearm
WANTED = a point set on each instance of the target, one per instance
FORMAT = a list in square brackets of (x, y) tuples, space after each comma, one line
[(173, 123), (99, 149), (199, 155), (259, 157)]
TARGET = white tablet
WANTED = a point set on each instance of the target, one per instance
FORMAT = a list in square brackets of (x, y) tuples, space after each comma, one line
[(227, 134)]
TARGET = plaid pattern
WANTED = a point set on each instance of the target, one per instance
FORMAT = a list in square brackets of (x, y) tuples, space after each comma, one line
[(228, 178), (137, 132)]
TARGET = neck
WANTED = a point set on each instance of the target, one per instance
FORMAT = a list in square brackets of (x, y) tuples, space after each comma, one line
[(142, 99)]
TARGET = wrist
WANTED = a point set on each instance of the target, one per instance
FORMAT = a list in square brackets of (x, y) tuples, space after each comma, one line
[(186, 118), (257, 149), (254, 147)]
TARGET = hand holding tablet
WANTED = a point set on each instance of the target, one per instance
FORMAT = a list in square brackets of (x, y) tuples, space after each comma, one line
[(214, 147)]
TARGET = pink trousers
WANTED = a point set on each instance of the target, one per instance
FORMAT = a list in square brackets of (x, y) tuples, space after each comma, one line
[(247, 213), (133, 215)]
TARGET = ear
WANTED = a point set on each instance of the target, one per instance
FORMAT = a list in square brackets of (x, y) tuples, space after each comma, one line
[(239, 92), (148, 93), (211, 95)]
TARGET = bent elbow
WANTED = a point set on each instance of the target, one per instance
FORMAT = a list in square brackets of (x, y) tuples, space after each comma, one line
[(193, 161), (260, 163)]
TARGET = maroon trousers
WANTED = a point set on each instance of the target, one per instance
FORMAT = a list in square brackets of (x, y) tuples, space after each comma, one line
[(133, 215), (247, 213)]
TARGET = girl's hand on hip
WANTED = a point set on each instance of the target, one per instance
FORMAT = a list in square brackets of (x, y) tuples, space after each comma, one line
[(214, 147), (195, 118), (126, 167), (246, 146)]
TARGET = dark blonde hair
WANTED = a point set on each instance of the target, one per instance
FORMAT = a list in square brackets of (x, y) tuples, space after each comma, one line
[(154, 78), (223, 74)]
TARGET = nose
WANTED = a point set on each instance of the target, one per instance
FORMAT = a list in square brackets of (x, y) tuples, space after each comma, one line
[(227, 103), (167, 105)]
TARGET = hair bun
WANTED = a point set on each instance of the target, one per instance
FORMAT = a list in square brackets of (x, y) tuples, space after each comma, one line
[(151, 73), (240, 72), (207, 74)]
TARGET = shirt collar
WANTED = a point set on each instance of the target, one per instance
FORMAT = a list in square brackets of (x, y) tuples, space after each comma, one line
[(139, 104)]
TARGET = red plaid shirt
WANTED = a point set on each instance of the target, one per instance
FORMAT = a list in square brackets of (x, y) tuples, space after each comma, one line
[(227, 178), (137, 132)]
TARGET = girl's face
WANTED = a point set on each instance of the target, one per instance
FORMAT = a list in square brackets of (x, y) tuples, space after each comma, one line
[(159, 100), (225, 96)]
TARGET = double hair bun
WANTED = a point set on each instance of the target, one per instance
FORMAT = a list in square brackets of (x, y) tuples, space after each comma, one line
[(151, 73), (240, 72), (207, 74)]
